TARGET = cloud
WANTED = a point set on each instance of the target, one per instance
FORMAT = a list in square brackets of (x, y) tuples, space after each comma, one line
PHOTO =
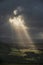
[(33, 13), (2, 1)]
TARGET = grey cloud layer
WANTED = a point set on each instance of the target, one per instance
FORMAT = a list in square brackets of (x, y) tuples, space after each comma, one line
[(33, 10)]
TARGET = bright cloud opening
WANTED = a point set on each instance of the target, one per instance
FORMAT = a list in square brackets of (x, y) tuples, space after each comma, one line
[(18, 24)]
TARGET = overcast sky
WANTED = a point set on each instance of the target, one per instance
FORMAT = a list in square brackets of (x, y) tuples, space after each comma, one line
[(33, 12)]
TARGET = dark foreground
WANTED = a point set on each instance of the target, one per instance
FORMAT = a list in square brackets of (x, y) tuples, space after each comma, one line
[(28, 59), (13, 56)]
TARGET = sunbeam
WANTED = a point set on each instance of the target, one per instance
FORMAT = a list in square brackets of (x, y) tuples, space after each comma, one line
[(20, 28)]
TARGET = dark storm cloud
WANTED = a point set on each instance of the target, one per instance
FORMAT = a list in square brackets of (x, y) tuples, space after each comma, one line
[(1, 0), (33, 10)]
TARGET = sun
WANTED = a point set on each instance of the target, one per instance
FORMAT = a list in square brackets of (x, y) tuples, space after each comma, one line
[(14, 21), (17, 21)]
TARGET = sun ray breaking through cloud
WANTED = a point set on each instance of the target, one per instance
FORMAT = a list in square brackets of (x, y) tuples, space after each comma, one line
[(20, 28)]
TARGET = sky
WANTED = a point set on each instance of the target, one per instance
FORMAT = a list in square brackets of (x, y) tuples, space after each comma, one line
[(33, 15)]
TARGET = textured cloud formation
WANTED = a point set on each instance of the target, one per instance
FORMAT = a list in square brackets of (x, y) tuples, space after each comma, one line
[(33, 12)]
